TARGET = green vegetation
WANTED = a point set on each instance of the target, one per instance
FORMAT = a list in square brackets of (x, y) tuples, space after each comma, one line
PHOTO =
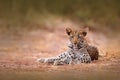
[(17, 12)]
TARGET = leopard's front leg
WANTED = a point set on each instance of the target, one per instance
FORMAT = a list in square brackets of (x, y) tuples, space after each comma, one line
[(82, 56), (64, 58)]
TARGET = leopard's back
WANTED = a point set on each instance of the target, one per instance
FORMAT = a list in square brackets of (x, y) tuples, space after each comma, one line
[(93, 52)]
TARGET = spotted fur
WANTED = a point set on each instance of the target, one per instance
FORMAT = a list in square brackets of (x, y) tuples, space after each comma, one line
[(79, 51), (78, 41)]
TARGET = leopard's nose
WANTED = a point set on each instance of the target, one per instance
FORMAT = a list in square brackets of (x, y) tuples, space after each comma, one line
[(75, 42)]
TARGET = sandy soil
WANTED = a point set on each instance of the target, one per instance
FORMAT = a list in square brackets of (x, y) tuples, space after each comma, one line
[(20, 52)]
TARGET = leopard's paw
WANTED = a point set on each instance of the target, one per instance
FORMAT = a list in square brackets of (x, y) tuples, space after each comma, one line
[(41, 60)]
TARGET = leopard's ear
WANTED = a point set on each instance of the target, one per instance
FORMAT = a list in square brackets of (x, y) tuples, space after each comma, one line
[(84, 33), (68, 31)]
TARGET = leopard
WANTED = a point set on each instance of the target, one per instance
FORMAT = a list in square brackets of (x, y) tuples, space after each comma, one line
[(79, 41), (79, 51)]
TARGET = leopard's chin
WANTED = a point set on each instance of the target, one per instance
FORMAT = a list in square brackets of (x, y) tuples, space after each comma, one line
[(75, 47)]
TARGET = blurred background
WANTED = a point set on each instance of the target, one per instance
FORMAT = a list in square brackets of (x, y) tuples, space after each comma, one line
[(31, 29), (24, 14)]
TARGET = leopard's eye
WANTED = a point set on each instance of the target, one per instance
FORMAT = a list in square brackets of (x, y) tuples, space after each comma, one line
[(82, 41), (72, 36)]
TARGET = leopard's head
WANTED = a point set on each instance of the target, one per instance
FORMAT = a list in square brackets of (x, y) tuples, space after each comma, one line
[(76, 38)]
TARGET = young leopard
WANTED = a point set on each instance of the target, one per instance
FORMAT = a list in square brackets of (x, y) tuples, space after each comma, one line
[(79, 51), (78, 41)]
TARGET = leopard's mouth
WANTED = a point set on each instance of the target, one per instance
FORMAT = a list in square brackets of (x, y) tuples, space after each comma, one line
[(76, 47)]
